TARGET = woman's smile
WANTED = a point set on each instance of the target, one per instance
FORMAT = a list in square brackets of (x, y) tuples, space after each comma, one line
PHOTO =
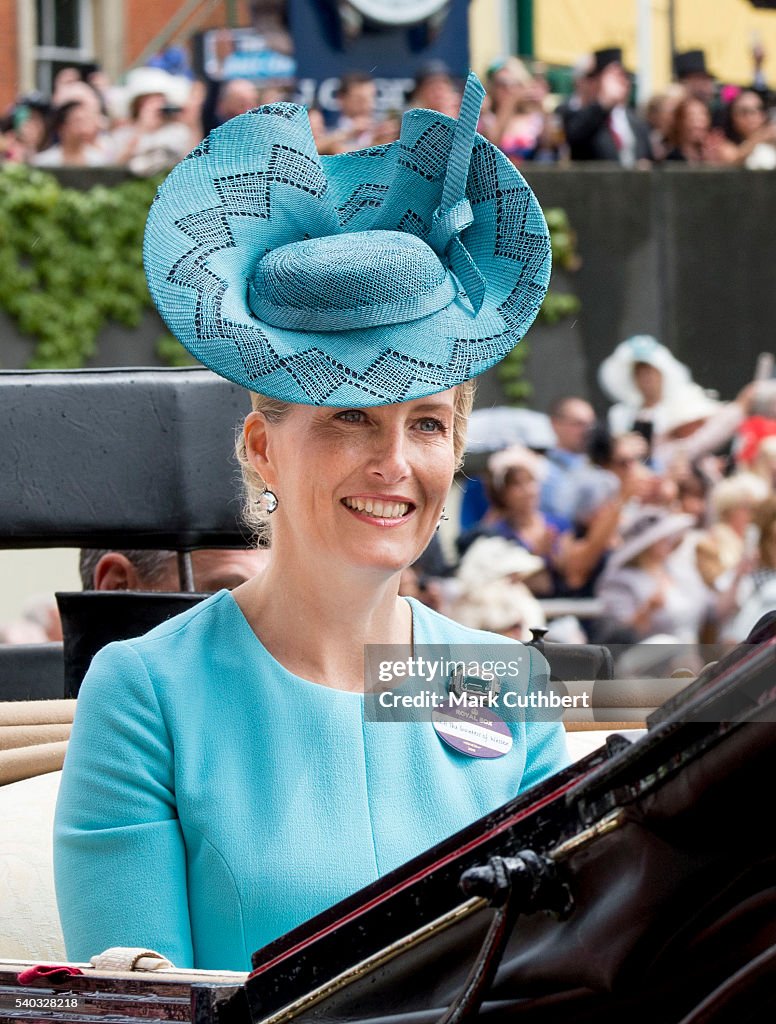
[(380, 510)]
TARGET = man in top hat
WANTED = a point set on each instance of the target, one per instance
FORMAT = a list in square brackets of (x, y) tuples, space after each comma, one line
[(691, 72), (605, 129)]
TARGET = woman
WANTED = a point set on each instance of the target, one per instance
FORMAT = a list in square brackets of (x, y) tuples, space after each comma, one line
[(644, 590), (756, 588), (690, 138), (642, 377), (516, 475), (155, 138), (76, 128), (516, 122), (750, 138), (223, 782)]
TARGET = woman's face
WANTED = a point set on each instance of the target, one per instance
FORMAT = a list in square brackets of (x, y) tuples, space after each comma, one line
[(747, 114), (521, 490), (364, 487), (695, 123), (649, 380)]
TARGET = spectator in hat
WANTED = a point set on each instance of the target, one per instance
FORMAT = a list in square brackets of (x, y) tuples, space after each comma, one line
[(642, 377), (692, 74), (721, 549), (699, 424), (605, 129), (643, 589), (154, 139), (493, 593)]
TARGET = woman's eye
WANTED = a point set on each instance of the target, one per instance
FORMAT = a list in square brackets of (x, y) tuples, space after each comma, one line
[(429, 425), (350, 415)]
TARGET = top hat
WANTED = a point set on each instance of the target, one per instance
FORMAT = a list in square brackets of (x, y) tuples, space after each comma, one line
[(691, 62), (603, 58)]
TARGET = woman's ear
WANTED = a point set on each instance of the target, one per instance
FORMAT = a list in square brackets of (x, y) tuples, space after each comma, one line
[(257, 446)]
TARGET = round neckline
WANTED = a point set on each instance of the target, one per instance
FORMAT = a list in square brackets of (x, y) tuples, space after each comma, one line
[(290, 676)]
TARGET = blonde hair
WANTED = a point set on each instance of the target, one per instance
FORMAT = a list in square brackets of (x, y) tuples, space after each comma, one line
[(273, 410), (739, 489)]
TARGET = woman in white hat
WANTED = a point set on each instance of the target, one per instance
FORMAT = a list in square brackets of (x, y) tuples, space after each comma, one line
[(642, 377), (643, 589), (155, 138), (493, 593), (224, 781)]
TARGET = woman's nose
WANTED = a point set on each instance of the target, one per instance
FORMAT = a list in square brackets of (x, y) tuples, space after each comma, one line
[(390, 458)]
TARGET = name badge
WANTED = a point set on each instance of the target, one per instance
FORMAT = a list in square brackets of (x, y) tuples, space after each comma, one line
[(466, 722)]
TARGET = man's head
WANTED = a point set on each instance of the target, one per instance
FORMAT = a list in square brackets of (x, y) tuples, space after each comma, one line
[(572, 420), (238, 96), (357, 94), (214, 569), (691, 72)]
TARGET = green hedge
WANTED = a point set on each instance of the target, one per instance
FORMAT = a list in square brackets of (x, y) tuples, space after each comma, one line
[(71, 261)]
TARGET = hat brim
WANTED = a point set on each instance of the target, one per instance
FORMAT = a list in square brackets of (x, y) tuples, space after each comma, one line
[(615, 374), (668, 527), (258, 183)]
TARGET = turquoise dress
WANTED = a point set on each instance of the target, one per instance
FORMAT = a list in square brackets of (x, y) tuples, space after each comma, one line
[(211, 800)]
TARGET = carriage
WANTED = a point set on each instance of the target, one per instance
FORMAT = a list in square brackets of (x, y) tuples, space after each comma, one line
[(638, 881)]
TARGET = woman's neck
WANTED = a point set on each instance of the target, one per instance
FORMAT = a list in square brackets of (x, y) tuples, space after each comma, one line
[(317, 625)]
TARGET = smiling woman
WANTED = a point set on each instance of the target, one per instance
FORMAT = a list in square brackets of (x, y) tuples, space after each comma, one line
[(225, 780)]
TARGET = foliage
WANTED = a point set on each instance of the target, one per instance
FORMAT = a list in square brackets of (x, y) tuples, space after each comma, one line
[(555, 307), (70, 261)]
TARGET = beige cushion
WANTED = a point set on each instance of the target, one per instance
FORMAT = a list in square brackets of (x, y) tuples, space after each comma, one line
[(29, 922)]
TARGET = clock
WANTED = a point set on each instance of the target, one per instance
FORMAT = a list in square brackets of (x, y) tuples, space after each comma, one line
[(398, 12)]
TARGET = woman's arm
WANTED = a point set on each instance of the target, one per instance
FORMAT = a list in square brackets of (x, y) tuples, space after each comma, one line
[(119, 855)]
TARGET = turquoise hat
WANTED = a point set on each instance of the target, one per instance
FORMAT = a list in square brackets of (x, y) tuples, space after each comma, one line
[(367, 278)]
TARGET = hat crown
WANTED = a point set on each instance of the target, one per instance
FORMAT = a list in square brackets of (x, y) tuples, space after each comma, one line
[(336, 282)]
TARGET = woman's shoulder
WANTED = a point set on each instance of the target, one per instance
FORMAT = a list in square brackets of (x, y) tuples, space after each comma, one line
[(173, 644)]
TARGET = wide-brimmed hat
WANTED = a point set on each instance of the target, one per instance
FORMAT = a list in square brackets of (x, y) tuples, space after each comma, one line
[(689, 405), (366, 278), (147, 81), (498, 606), (493, 558), (615, 374), (647, 528)]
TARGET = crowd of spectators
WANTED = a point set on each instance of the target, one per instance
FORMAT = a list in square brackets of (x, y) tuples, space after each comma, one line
[(156, 116), (663, 512), (656, 522)]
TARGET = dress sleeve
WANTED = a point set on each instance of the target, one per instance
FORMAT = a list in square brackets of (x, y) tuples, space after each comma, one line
[(547, 752), (119, 855)]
